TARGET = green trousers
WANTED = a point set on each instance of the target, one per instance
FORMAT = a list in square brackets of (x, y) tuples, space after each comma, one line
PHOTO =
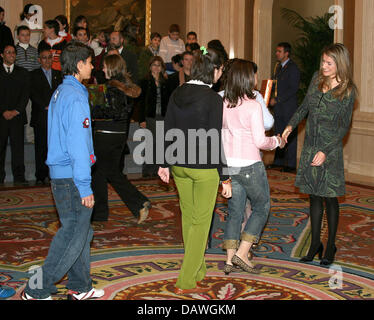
[(197, 190)]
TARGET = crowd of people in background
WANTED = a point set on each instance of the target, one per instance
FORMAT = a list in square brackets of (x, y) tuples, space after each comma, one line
[(186, 86)]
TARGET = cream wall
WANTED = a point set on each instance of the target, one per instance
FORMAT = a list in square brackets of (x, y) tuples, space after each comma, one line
[(223, 20), (282, 31), (167, 12)]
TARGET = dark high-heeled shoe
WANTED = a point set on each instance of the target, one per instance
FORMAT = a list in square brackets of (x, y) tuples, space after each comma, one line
[(310, 257), (242, 265), (326, 261), (228, 268)]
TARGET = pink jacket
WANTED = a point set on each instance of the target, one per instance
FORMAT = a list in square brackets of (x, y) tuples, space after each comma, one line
[(243, 131)]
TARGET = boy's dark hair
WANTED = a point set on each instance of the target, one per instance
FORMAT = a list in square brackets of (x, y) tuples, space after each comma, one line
[(155, 35), (21, 28), (64, 21), (73, 53), (194, 46), (53, 24), (43, 49), (192, 33), (186, 53), (239, 82), (218, 46), (1, 9), (286, 46), (177, 59), (174, 28), (78, 29), (204, 65), (8, 45)]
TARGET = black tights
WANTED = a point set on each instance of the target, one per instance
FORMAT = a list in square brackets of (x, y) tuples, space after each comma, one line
[(316, 214)]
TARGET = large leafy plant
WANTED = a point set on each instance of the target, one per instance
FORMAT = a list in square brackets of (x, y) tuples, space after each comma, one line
[(315, 34)]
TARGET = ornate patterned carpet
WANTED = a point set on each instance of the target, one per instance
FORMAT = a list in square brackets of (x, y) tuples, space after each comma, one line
[(142, 262)]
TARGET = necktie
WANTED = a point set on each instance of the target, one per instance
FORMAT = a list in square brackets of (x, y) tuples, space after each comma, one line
[(49, 77), (8, 69)]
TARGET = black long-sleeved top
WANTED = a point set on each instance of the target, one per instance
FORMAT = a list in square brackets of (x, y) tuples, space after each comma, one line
[(148, 99), (195, 110)]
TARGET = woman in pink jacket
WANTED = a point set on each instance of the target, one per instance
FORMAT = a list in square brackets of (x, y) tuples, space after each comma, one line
[(243, 137)]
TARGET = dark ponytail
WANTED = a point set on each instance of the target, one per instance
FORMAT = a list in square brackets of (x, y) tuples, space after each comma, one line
[(205, 62)]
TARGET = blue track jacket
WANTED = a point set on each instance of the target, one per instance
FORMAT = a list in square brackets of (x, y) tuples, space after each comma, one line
[(70, 146)]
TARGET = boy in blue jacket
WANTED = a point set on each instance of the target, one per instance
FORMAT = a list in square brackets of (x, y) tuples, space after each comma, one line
[(70, 157)]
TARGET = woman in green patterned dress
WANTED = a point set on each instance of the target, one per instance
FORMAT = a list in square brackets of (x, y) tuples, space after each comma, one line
[(329, 104)]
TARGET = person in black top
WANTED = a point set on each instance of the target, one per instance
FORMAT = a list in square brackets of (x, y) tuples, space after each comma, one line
[(153, 103), (194, 115), (44, 81), (182, 76), (14, 93), (6, 36), (111, 112)]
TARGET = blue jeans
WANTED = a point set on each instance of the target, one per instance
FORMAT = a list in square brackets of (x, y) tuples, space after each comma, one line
[(252, 183), (69, 252)]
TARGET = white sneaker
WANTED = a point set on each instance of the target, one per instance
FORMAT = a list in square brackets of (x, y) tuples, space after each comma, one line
[(25, 296), (92, 294)]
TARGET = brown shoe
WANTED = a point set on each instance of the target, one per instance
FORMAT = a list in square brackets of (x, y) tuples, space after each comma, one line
[(143, 213), (197, 289), (245, 267)]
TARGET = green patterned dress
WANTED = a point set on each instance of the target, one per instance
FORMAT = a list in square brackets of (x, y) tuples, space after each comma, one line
[(328, 122)]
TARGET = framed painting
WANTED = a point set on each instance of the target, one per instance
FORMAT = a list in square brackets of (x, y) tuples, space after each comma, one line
[(113, 15)]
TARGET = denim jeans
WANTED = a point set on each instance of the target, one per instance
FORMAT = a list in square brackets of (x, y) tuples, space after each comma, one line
[(247, 183), (69, 252)]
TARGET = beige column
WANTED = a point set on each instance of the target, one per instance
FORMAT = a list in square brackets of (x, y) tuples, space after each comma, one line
[(339, 20), (219, 19), (262, 37), (359, 149)]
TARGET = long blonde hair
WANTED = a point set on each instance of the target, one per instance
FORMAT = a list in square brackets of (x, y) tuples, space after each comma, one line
[(344, 74)]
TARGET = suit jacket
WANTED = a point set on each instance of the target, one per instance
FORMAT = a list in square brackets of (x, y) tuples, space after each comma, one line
[(14, 91), (288, 81), (41, 93), (131, 64)]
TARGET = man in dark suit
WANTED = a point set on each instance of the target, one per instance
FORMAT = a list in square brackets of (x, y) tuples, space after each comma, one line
[(44, 81), (117, 40), (14, 93), (285, 104)]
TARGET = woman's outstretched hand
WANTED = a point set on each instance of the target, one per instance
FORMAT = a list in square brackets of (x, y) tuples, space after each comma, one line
[(286, 133), (164, 174)]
